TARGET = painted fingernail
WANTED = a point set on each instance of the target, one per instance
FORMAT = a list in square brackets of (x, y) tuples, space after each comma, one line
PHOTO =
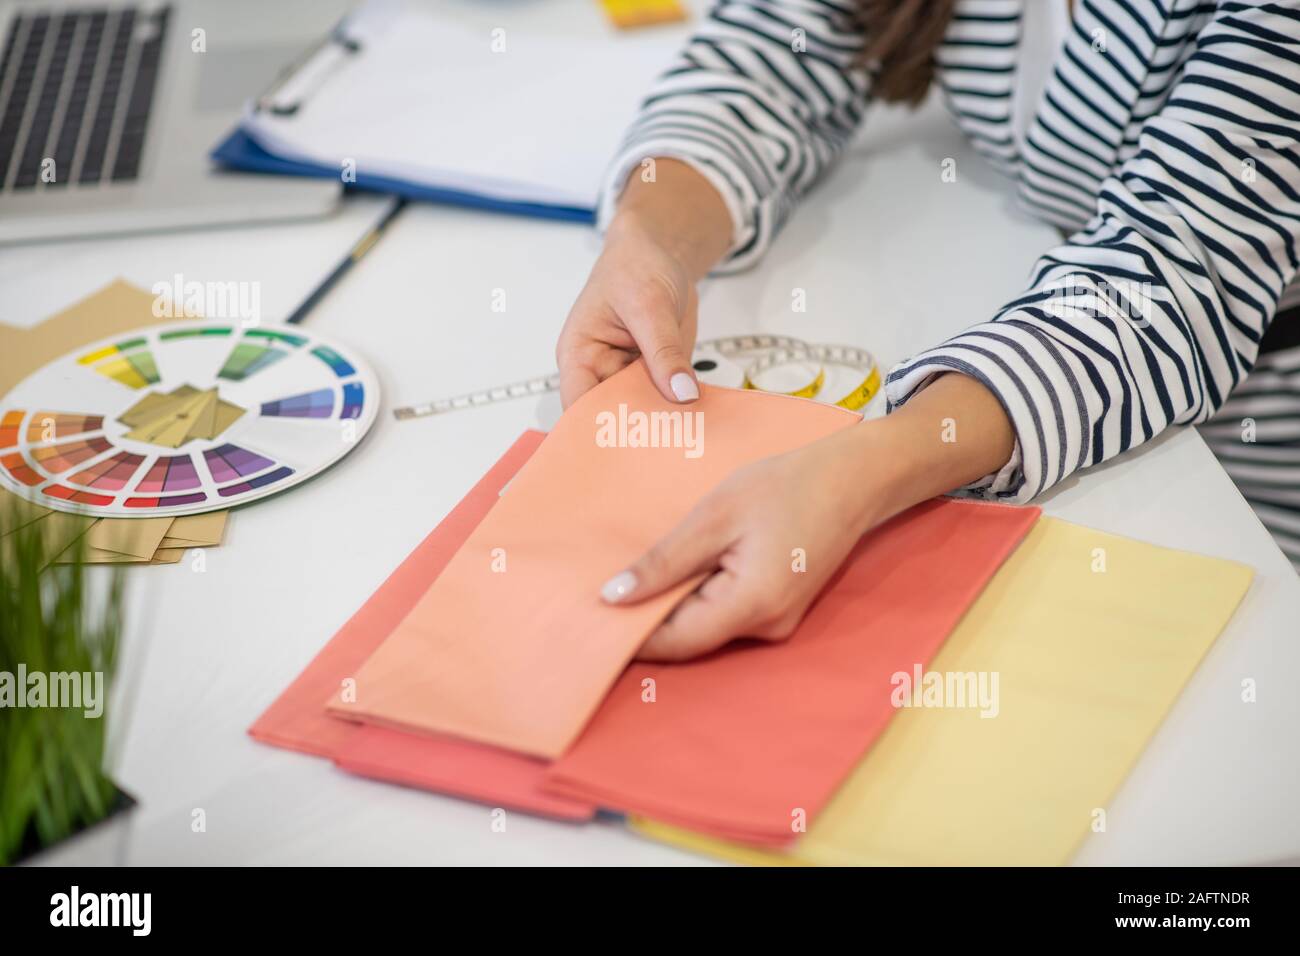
[(618, 587), (684, 387)]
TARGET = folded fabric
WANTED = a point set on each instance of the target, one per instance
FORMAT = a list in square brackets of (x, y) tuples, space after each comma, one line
[(1093, 637), (512, 645), (298, 720), (459, 768), (750, 743)]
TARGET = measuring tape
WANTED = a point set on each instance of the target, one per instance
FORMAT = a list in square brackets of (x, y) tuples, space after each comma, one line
[(765, 353), (739, 361)]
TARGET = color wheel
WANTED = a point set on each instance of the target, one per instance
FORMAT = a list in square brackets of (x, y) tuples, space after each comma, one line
[(183, 418)]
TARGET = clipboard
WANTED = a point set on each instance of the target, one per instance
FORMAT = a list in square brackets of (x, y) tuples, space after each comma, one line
[(240, 151), (285, 96), (521, 118)]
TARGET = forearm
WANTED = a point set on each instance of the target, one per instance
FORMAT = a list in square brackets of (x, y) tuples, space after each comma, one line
[(953, 432), (761, 117), (680, 212)]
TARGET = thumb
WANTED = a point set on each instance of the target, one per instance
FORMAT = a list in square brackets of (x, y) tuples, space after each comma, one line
[(661, 340), (691, 548), (575, 381)]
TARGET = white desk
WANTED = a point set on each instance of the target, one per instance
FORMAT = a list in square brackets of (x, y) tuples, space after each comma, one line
[(207, 652)]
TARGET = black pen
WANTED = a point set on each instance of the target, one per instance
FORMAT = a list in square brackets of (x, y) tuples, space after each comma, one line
[(352, 258)]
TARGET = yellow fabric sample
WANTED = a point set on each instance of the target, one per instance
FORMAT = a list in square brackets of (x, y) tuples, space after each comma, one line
[(1092, 637)]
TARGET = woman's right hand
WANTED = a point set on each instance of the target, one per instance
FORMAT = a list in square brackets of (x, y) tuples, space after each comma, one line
[(640, 299)]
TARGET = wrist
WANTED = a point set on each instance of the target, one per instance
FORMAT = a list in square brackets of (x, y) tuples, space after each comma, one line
[(953, 432), (875, 477), (679, 212)]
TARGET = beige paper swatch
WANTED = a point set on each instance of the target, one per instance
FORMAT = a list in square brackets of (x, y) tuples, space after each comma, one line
[(118, 307), (196, 531)]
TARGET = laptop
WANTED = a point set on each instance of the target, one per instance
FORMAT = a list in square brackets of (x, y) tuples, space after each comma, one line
[(108, 111)]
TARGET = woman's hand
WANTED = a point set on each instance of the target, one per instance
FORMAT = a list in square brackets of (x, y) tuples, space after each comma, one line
[(807, 509), (770, 536), (640, 301), (640, 298)]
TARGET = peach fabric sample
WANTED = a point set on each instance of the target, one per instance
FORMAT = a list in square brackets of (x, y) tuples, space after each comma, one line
[(512, 645)]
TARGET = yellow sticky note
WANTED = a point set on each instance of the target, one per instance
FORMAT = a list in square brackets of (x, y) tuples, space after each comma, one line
[(640, 13), (1091, 638)]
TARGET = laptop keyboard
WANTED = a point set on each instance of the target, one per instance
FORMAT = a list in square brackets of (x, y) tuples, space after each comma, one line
[(76, 88)]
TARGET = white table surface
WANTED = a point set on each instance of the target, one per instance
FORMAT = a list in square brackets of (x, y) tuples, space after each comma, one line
[(890, 257)]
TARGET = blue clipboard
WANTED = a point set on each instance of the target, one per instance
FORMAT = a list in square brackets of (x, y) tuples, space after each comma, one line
[(240, 151)]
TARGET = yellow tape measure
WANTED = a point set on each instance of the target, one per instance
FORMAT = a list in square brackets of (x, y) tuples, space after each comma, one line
[(740, 361), (777, 351)]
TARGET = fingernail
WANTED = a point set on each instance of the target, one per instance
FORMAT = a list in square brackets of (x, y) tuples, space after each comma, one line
[(618, 587), (684, 387)]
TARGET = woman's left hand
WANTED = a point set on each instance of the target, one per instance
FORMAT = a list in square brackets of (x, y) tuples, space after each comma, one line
[(769, 537)]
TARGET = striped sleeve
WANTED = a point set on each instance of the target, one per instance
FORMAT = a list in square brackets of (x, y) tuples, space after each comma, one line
[(761, 100), (1153, 312)]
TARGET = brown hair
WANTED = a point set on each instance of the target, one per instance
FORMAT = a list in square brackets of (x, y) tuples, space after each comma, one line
[(902, 36)]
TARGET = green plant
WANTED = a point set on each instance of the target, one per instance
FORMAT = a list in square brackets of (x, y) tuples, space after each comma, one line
[(54, 620)]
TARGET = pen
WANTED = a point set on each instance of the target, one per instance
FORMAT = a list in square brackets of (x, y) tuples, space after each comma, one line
[(354, 256)]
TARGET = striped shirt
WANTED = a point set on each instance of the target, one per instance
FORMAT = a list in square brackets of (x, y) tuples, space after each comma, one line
[(1165, 145)]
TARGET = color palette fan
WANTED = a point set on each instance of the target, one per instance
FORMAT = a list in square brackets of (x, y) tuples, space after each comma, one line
[(183, 418)]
